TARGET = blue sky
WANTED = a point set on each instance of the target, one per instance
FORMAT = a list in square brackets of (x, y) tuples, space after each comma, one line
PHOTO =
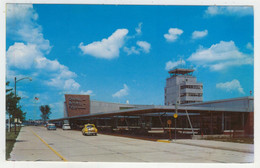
[(117, 53)]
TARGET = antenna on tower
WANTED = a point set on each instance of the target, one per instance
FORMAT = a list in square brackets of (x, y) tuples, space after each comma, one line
[(181, 62)]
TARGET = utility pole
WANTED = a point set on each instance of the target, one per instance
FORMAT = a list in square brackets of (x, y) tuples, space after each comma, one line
[(15, 105), (15, 81), (176, 116), (169, 122)]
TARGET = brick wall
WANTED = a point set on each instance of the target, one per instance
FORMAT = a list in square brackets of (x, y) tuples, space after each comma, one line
[(249, 125), (77, 104)]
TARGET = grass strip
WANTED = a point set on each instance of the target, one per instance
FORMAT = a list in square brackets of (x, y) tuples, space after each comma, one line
[(10, 141)]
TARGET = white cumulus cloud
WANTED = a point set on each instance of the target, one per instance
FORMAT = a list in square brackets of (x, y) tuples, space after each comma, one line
[(65, 84), (249, 46), (220, 56), (88, 92), (172, 64), (44, 63), (122, 92), (139, 28), (22, 56), (20, 11), (199, 34), (31, 50), (131, 50), (233, 85), (29, 57), (145, 46), (33, 34), (229, 10), (142, 46), (106, 48), (71, 84), (173, 34), (21, 25)]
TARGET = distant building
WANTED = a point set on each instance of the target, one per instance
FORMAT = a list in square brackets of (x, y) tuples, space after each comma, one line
[(183, 87)]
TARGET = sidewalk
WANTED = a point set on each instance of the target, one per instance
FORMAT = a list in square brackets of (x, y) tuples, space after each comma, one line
[(238, 147), (28, 147)]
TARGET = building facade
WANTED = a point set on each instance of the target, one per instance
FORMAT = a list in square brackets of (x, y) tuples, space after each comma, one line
[(75, 105), (182, 87), (233, 117), (106, 107)]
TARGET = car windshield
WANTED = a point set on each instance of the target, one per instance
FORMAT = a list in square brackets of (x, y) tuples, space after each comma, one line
[(52, 126), (89, 126)]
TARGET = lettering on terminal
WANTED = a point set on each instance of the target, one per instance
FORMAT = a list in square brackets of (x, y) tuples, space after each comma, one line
[(77, 104)]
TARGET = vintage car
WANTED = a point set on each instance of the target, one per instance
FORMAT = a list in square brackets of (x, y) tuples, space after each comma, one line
[(89, 129), (66, 127), (51, 127)]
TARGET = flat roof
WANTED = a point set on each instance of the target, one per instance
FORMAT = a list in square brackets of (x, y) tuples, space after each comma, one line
[(155, 109), (222, 100), (181, 71)]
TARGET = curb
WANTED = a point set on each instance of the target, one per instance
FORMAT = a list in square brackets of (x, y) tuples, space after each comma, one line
[(165, 141), (214, 147), (129, 136)]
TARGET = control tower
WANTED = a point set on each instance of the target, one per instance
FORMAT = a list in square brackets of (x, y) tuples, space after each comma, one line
[(182, 87)]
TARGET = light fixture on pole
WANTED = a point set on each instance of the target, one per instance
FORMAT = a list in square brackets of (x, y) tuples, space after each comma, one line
[(15, 81)]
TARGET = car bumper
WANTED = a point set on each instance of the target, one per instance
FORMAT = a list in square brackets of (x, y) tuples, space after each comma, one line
[(90, 133)]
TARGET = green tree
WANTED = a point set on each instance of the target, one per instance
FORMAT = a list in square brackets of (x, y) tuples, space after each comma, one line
[(12, 108), (10, 89), (46, 111)]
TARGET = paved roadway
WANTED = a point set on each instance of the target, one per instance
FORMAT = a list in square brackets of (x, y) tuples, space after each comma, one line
[(38, 144)]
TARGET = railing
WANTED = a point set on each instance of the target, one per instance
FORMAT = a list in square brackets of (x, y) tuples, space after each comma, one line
[(188, 90), (191, 98)]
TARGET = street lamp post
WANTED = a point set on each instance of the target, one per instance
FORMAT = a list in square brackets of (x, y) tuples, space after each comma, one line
[(15, 81)]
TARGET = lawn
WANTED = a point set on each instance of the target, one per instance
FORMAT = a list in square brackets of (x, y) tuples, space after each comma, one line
[(10, 140)]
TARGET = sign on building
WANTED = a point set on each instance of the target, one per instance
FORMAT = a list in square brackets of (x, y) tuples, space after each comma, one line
[(77, 104)]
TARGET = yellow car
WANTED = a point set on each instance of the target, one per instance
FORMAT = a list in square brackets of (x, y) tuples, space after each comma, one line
[(89, 129)]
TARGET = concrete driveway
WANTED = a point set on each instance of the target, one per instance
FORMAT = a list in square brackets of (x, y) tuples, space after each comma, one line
[(39, 144)]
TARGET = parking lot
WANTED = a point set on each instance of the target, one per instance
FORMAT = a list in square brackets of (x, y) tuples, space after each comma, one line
[(35, 143)]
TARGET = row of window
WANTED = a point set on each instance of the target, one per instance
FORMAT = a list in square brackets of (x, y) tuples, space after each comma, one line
[(186, 102), (191, 94), (192, 87)]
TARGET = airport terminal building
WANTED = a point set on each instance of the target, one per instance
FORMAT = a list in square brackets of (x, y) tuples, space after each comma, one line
[(183, 96), (182, 87)]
